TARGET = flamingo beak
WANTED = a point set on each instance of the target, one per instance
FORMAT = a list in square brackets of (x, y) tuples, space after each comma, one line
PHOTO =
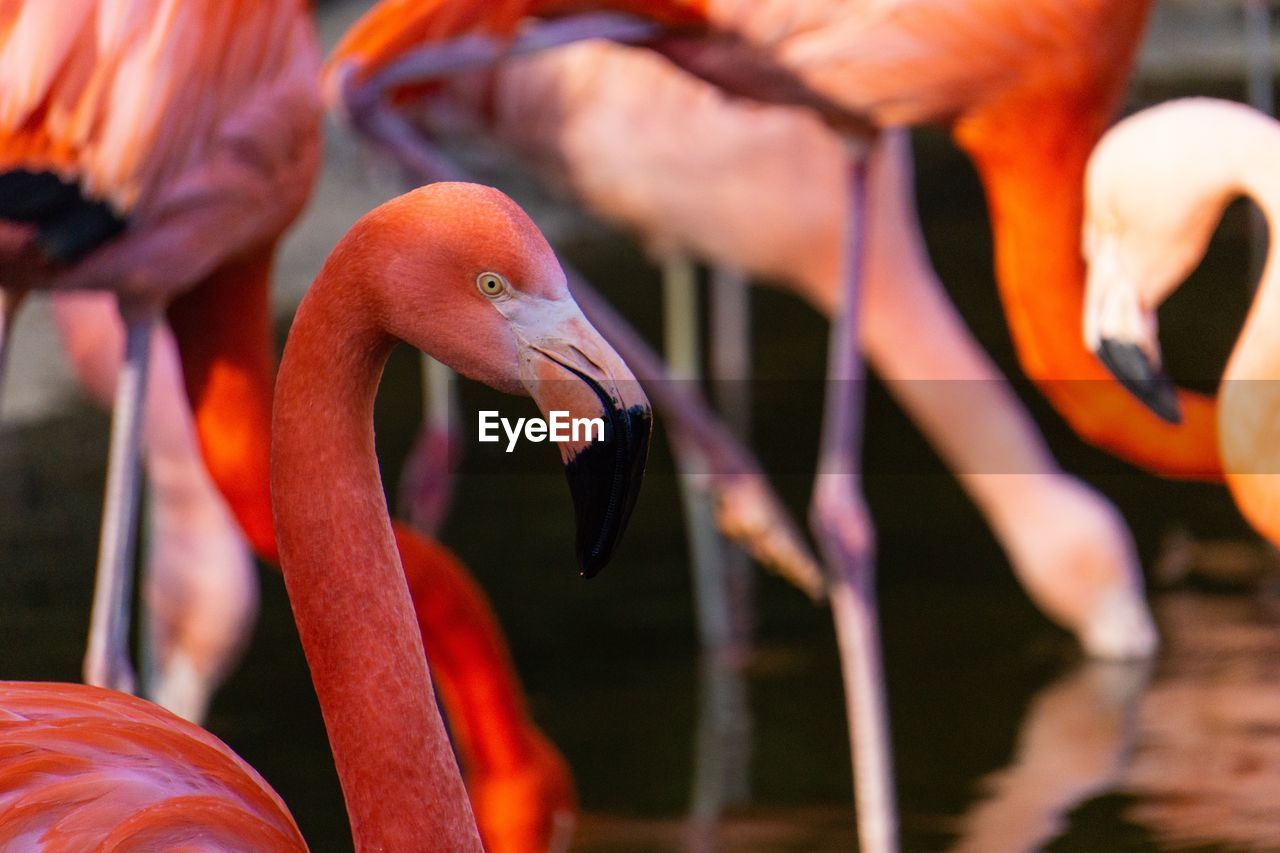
[(1141, 376), (1123, 334), (578, 381)]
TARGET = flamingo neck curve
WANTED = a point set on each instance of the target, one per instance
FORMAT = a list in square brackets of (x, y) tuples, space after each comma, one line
[(1250, 393), (338, 554), (1031, 148)]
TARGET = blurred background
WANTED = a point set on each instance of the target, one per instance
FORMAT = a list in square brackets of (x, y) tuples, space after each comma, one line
[(997, 720)]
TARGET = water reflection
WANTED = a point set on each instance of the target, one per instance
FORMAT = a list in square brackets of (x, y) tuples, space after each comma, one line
[(1206, 765), (1074, 744), (1185, 753), (1197, 751)]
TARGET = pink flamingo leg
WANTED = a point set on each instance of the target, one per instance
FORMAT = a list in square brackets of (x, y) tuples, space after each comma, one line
[(723, 739), (840, 523), (106, 662), (200, 591), (730, 367)]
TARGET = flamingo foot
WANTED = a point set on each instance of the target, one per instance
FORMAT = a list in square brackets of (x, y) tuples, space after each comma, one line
[(1120, 628)]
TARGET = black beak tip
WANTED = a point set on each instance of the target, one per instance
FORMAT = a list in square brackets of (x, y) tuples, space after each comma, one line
[(1149, 383), (604, 479)]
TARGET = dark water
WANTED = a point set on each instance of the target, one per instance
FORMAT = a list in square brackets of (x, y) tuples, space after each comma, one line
[(1004, 738)]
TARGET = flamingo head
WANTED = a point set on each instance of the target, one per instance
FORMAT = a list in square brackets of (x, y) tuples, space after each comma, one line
[(1155, 189), (465, 276)]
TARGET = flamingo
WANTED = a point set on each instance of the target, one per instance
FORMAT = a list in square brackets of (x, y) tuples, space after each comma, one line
[(691, 150), (1157, 186), (112, 177), (1027, 107), (457, 269), (201, 587)]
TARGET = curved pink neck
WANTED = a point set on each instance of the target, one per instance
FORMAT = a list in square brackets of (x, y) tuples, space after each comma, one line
[(355, 619)]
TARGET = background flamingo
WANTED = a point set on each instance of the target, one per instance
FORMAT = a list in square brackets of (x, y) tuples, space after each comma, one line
[(177, 781), (1028, 110), (1157, 186), (114, 178)]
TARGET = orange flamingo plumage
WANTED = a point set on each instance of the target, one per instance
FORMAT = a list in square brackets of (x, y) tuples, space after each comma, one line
[(145, 148)]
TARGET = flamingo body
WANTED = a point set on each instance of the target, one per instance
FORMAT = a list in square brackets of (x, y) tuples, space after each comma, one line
[(144, 148), (1026, 87), (82, 768), (196, 123)]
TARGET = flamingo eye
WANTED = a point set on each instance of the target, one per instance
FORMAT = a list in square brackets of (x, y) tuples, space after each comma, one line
[(491, 284)]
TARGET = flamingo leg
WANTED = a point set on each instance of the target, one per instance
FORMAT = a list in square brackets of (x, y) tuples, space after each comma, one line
[(106, 661), (200, 585), (843, 531), (730, 360), (747, 509), (426, 486), (722, 742), (683, 342)]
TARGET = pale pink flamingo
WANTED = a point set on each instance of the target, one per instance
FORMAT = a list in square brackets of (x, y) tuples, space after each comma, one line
[(1157, 186), (1027, 107), (461, 271), (757, 189), (145, 148)]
